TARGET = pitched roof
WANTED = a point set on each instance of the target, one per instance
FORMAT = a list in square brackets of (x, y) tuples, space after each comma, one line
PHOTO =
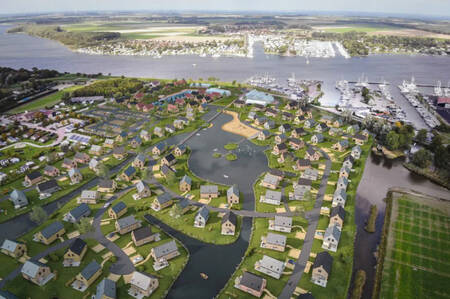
[(127, 221), (204, 213), (34, 175), (233, 190), (18, 196), (130, 171), (165, 249), (273, 195), (252, 281), (310, 150), (52, 229), (272, 264), (31, 268), (163, 198), (89, 194), (333, 231), (229, 216), (47, 185), (209, 189), (186, 179), (107, 183), (74, 171), (276, 239), (325, 260), (141, 157), (304, 182), (106, 287), (92, 268), (141, 186), (170, 157), (167, 169), (283, 221), (9, 245), (77, 246), (80, 211), (141, 280), (142, 233), (183, 203), (339, 211)]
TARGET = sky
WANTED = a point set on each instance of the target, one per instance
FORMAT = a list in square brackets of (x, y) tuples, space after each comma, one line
[(413, 7)]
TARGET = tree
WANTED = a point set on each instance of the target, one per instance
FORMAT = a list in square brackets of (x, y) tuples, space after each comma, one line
[(436, 141), (38, 215), (392, 140), (103, 171), (85, 226), (442, 157), (421, 136), (422, 158)]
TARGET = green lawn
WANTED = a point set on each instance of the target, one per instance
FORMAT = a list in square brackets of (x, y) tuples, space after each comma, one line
[(417, 257), (43, 102)]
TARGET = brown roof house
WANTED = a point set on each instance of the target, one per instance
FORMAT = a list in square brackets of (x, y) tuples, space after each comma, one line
[(251, 283), (75, 253), (144, 235), (13, 248), (127, 224), (50, 233), (118, 210), (321, 269), (273, 241), (37, 272), (228, 224)]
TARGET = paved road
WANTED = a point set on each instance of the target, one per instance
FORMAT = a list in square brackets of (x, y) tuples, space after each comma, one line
[(313, 219)]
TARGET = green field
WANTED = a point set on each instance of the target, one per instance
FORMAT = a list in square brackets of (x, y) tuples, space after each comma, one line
[(417, 258), (359, 28), (49, 100)]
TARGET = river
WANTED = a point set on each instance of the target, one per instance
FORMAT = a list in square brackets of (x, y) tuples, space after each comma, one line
[(19, 50)]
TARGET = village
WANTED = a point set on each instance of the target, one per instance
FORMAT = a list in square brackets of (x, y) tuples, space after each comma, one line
[(115, 163)]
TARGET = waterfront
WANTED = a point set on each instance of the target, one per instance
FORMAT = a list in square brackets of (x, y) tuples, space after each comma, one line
[(25, 51), (20, 50)]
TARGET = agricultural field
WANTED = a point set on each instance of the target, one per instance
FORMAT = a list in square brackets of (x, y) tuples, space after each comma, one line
[(416, 263), (357, 27)]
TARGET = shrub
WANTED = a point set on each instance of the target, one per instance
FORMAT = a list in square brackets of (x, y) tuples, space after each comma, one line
[(231, 157), (230, 146)]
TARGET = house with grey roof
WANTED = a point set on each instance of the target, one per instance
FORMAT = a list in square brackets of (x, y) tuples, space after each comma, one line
[(94, 165), (311, 154), (50, 233), (36, 272), (344, 172), (321, 128), (119, 152), (166, 251), (280, 138), (169, 160), (353, 129), (162, 201), (142, 190), (95, 150), (281, 224), (139, 161), (348, 161), (233, 195), (185, 184), (127, 224), (145, 135), (106, 289), (335, 131), (263, 135), (321, 269), (128, 174), (77, 213), (342, 183), (167, 171), (356, 152), (18, 198), (144, 235), (270, 266), (89, 197), (202, 217), (339, 198), (81, 158), (47, 188), (75, 175), (271, 197), (270, 181), (136, 141), (228, 224), (87, 276), (269, 124), (180, 150), (317, 138), (341, 145), (309, 123), (51, 170), (142, 284), (251, 283), (331, 238), (310, 174), (337, 217), (13, 248), (274, 242), (209, 191)]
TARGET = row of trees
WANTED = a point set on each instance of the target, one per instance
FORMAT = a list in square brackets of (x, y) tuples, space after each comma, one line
[(436, 153)]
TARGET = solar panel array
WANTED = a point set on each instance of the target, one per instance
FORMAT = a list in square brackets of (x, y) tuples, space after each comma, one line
[(79, 138)]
